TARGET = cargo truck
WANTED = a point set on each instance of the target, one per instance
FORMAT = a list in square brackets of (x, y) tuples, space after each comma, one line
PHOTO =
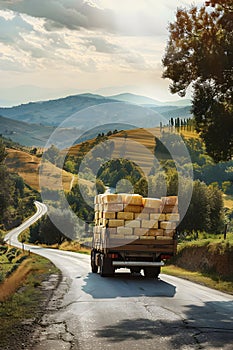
[(135, 236)]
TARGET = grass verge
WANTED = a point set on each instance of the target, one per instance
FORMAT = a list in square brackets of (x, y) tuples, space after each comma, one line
[(20, 309), (210, 281)]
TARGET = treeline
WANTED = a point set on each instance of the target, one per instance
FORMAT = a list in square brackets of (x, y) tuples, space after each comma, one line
[(204, 168)]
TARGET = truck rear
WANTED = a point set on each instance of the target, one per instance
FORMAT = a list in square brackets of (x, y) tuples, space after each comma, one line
[(133, 232)]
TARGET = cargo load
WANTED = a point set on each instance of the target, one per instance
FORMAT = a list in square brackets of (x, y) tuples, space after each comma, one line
[(133, 231)]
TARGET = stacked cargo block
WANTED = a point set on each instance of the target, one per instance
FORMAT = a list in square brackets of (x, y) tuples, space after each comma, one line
[(130, 216)]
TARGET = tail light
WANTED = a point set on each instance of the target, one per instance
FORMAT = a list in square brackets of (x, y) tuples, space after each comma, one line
[(165, 257)]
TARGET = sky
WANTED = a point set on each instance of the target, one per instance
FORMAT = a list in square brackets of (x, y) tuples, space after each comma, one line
[(54, 48)]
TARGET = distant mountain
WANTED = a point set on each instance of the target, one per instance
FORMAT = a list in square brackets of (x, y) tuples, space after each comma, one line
[(174, 112), (32, 124), (52, 112), (147, 101), (137, 99)]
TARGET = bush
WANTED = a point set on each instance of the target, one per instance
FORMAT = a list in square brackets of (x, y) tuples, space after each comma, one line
[(10, 257), (3, 249)]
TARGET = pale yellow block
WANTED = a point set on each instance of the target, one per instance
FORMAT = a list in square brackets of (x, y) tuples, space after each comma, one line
[(132, 199), (163, 238), (133, 223), (113, 207), (103, 232), (168, 225), (158, 216), (155, 232), (101, 207), (149, 224), (115, 223), (112, 198), (96, 208), (152, 210), (169, 233), (109, 215), (142, 216), (116, 236), (96, 200), (125, 215), (147, 237), (97, 229), (173, 217), (112, 231), (126, 231), (105, 222), (151, 203), (140, 231), (133, 208), (131, 238), (170, 209), (172, 200), (96, 215)]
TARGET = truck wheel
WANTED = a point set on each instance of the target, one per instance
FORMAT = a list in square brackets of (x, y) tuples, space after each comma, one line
[(152, 272), (94, 267), (106, 268), (135, 269)]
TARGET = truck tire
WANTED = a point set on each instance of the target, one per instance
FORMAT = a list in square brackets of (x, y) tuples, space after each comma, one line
[(94, 267), (152, 272), (135, 269), (106, 268)]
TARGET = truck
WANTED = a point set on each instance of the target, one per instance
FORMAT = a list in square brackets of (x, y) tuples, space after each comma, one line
[(121, 243)]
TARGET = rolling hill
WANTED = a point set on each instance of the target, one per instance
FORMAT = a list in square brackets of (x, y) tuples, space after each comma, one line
[(24, 133), (54, 112), (81, 117)]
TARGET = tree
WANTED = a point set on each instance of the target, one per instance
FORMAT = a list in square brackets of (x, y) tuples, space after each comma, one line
[(199, 54), (52, 154), (3, 153)]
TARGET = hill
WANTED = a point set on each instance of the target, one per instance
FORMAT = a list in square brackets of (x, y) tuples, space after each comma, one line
[(54, 112), (137, 99), (24, 133), (174, 111), (27, 166), (147, 101)]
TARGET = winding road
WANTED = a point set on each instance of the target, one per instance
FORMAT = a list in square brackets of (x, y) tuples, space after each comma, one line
[(127, 312)]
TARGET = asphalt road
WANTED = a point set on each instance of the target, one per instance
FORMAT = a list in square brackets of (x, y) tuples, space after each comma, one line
[(129, 312)]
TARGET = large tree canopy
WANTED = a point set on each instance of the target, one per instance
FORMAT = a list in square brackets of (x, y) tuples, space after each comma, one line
[(200, 53)]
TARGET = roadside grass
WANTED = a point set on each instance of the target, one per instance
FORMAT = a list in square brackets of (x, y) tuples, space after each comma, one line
[(27, 302), (208, 280), (205, 239), (72, 246), (12, 283), (6, 266)]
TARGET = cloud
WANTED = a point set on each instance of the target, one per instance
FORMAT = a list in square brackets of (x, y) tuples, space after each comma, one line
[(12, 29), (101, 45), (126, 19), (71, 14)]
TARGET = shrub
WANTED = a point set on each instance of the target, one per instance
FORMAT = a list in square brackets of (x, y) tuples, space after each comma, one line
[(3, 249)]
